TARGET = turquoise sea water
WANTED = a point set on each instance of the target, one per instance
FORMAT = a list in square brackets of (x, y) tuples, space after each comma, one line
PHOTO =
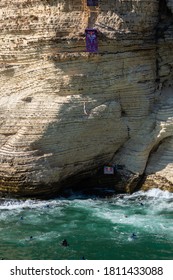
[(96, 228)]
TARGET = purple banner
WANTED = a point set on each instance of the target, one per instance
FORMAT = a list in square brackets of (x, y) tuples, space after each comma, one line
[(92, 2), (91, 40)]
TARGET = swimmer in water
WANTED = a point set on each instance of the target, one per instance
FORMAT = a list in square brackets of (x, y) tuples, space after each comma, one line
[(133, 236), (64, 243)]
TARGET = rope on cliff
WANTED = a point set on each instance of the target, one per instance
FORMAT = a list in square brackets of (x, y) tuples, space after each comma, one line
[(84, 109)]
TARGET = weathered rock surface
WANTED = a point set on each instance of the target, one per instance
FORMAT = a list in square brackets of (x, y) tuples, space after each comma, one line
[(64, 113)]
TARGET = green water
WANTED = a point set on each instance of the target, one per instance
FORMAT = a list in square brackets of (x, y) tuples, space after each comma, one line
[(96, 228)]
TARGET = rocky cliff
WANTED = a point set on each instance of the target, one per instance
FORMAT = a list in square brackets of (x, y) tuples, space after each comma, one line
[(65, 112)]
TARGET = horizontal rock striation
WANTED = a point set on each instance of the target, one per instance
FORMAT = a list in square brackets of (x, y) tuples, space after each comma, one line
[(64, 112)]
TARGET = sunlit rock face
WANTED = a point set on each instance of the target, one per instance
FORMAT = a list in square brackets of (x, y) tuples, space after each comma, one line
[(65, 112)]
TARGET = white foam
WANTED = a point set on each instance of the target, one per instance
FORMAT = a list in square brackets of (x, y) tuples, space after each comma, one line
[(23, 204), (157, 193), (130, 212)]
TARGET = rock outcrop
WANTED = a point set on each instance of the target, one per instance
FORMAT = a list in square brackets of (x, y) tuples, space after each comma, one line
[(65, 112)]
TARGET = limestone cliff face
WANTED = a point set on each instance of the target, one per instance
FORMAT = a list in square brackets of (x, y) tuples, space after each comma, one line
[(65, 112)]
